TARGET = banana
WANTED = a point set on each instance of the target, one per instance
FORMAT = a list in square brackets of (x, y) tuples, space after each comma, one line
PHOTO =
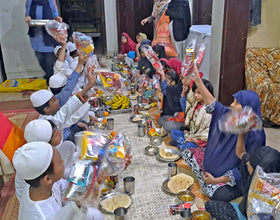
[(109, 102)]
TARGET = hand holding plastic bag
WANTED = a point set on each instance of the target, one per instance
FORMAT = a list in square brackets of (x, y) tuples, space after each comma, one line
[(237, 122), (54, 27)]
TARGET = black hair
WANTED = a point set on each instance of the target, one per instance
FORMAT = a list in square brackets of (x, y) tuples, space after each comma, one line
[(56, 90), (52, 124), (40, 109), (164, 63), (73, 53), (36, 182), (173, 76), (160, 50), (207, 84)]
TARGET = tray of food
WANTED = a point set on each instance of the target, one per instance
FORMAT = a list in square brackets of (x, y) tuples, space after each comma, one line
[(114, 200), (136, 118), (38, 22), (119, 104), (168, 155), (177, 183)]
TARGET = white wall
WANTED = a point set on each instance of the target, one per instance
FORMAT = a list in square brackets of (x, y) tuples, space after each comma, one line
[(111, 26), (216, 43), (19, 58)]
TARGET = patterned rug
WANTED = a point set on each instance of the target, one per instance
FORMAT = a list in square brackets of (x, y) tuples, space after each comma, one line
[(21, 117), (9, 204)]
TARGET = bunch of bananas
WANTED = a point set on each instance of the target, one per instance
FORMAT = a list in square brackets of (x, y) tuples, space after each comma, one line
[(119, 101)]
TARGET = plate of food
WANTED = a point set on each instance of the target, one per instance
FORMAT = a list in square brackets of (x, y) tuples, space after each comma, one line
[(168, 155), (177, 183), (136, 118), (114, 200)]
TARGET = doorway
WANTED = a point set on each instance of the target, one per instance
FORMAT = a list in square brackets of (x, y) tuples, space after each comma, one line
[(86, 16)]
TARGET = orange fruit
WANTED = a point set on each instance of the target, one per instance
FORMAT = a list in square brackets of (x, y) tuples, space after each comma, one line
[(125, 83), (150, 132), (155, 103), (153, 129), (113, 133), (104, 121), (116, 77), (96, 95), (106, 113), (98, 91)]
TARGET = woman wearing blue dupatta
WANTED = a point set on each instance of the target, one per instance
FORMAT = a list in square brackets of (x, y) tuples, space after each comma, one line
[(221, 177)]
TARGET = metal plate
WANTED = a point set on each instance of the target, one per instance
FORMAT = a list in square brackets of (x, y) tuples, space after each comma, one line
[(165, 188), (38, 22), (172, 151), (151, 150), (134, 116), (120, 111), (109, 196)]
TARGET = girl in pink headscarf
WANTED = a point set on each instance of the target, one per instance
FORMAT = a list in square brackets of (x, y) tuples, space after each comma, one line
[(127, 44)]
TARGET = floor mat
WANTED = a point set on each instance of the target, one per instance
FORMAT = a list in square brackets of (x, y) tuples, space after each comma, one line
[(21, 117)]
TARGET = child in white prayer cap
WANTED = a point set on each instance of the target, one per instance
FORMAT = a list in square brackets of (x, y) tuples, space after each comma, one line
[(41, 198), (61, 65), (75, 109)]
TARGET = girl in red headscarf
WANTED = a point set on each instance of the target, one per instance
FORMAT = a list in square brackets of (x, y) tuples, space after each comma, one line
[(127, 44)]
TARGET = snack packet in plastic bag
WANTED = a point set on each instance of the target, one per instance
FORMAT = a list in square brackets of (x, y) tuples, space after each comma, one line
[(112, 82), (84, 43), (264, 194), (145, 81), (240, 121), (188, 62), (54, 27), (116, 153), (151, 56), (82, 182), (156, 81), (91, 63), (200, 54), (93, 145)]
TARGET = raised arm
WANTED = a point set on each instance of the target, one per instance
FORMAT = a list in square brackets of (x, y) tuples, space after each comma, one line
[(61, 39), (206, 95), (240, 146)]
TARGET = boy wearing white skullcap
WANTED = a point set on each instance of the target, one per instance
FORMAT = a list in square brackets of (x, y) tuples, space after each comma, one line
[(42, 168), (61, 65), (48, 106), (46, 131), (57, 83)]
